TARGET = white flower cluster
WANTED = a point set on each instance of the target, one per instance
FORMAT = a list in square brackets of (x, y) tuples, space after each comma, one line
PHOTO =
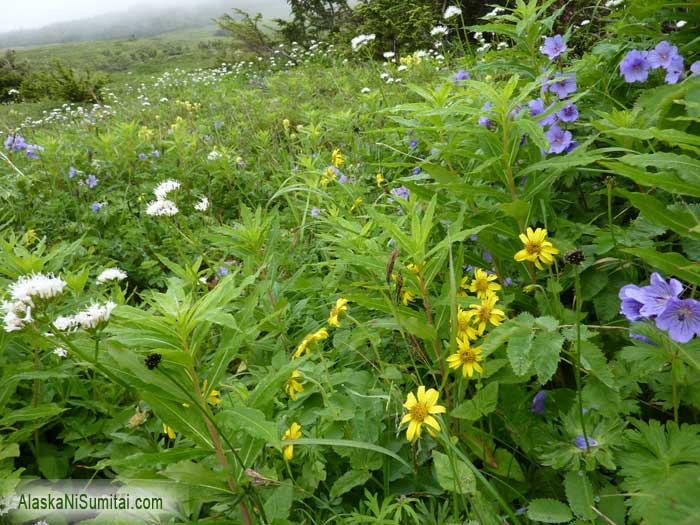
[(202, 205), (438, 31), (361, 40), (452, 11), (92, 317), (214, 155), (613, 3), (162, 207), (111, 274), (23, 293), (494, 12)]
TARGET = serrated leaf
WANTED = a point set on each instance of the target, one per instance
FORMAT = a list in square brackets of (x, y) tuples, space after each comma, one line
[(483, 403), (453, 476), (547, 510), (546, 359), (579, 494), (349, 481), (594, 362), (519, 348), (279, 503), (671, 263), (253, 423)]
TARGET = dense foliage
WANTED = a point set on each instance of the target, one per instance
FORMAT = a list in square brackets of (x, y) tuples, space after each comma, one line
[(450, 286)]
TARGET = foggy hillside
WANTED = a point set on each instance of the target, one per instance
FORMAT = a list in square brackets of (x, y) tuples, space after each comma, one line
[(137, 22)]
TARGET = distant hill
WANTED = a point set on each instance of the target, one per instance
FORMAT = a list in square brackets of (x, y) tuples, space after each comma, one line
[(139, 22)]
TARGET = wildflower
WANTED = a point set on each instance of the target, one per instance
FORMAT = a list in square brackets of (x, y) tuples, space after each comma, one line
[(162, 208), (553, 46), (402, 192), (407, 296), (96, 206), (413, 144), (568, 113), (222, 271), (60, 352), (673, 73), (662, 55), (482, 284), (467, 357), (111, 274), (309, 340), (681, 318), (635, 67), (585, 442), (642, 338), (169, 431), (656, 296), (420, 411), (94, 315), (153, 360), (461, 75), (380, 179), (483, 120), (464, 328), (340, 306), (202, 205), (388, 54), (416, 170), (315, 212), (292, 386), (584, 22), (293, 432), (681, 23), (360, 41), (143, 156), (91, 181), (337, 158), (329, 174), (355, 204), (415, 270), (218, 124), (486, 313), (72, 172), (564, 85), (559, 139), (537, 248), (365, 90), (165, 187), (214, 155), (695, 68), (451, 11), (438, 30), (213, 396), (32, 149), (538, 403)]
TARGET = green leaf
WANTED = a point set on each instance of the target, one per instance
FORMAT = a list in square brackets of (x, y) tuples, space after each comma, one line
[(508, 466), (519, 348), (253, 423), (594, 362), (548, 345), (279, 503), (686, 167), (682, 222), (31, 413), (664, 180), (579, 494), (454, 475), (671, 263), (349, 481), (270, 384), (347, 443), (547, 510), (534, 131), (483, 403)]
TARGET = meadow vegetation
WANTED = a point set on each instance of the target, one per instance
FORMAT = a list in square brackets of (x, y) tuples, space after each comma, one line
[(342, 283)]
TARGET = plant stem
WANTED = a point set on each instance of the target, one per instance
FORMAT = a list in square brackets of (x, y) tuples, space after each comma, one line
[(577, 364), (674, 387)]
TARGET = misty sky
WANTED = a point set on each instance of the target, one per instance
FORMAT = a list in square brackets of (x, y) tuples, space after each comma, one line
[(28, 14)]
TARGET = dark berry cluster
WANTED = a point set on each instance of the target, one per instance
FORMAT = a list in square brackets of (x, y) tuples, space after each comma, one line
[(153, 360)]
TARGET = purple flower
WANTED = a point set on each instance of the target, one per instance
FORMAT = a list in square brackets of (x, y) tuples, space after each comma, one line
[(413, 144), (143, 156), (483, 120), (96, 206), (675, 71), (15, 142), (564, 86), (343, 179), (631, 305), (218, 124), (553, 46), (558, 139), (402, 192), (416, 170), (508, 281), (72, 172), (487, 256), (462, 75), (695, 68), (571, 147), (8, 142), (32, 151), (635, 67), (658, 294), (315, 212), (568, 113), (539, 402), (681, 318), (91, 181), (662, 55), (473, 237), (536, 107), (580, 442), (521, 510), (156, 153), (550, 120), (222, 271)]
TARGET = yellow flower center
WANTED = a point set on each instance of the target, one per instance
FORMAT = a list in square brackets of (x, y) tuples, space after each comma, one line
[(419, 412), (481, 285), (533, 247), (467, 356), (484, 312)]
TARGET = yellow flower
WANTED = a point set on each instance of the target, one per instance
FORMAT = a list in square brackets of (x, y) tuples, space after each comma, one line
[(420, 411), (335, 312), (380, 179), (328, 175), (468, 358), (337, 158), (537, 248), (486, 313), (464, 328), (413, 268), (407, 296), (482, 285), (285, 123), (212, 398), (529, 288), (169, 431), (357, 202), (292, 386), (293, 432), (310, 339)]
